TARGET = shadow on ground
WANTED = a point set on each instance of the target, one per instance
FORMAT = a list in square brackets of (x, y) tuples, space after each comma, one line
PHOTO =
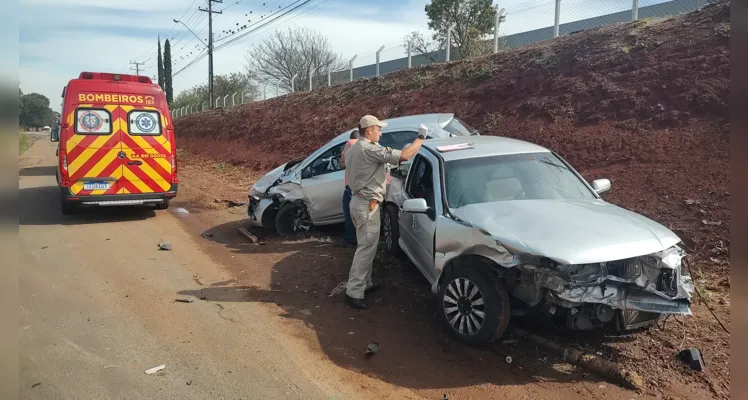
[(416, 352), (40, 205), (38, 171)]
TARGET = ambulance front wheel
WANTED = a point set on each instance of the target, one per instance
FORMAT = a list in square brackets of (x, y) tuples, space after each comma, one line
[(163, 205)]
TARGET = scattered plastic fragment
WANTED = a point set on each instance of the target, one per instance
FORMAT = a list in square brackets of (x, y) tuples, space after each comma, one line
[(155, 369), (693, 358), (372, 348)]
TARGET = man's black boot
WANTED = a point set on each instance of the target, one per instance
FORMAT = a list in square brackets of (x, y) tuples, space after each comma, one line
[(360, 304)]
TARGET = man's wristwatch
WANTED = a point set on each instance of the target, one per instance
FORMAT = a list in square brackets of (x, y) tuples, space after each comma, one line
[(420, 136)]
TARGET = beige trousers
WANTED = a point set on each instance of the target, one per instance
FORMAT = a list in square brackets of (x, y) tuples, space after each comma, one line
[(367, 225)]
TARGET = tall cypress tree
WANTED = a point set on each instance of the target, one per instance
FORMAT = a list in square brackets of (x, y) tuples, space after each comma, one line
[(167, 71), (160, 65)]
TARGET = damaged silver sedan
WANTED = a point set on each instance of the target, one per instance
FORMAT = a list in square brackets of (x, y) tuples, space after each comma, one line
[(308, 191), (485, 218)]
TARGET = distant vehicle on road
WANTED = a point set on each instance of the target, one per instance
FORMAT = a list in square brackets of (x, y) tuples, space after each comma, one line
[(487, 217), (116, 143), (308, 191)]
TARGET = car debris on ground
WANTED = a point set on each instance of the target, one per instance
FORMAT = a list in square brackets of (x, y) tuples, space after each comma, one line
[(372, 348), (692, 357), (252, 238), (155, 369)]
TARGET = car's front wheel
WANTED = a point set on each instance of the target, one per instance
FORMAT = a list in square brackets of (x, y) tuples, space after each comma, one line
[(473, 306), (292, 219)]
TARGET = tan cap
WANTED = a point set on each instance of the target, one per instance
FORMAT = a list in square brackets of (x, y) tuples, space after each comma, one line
[(370, 120)]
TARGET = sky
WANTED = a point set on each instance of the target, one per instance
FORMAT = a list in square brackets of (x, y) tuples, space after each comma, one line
[(60, 38)]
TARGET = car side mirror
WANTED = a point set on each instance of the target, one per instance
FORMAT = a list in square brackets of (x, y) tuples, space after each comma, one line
[(306, 173), (419, 206), (416, 206), (601, 185), (54, 136)]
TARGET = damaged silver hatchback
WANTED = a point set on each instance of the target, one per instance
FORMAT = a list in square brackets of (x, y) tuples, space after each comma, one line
[(485, 218), (308, 191)]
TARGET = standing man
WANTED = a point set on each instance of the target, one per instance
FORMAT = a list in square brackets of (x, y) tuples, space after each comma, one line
[(349, 235), (367, 179)]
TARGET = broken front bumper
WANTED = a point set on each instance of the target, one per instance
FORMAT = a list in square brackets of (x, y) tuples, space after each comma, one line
[(635, 291), (261, 211)]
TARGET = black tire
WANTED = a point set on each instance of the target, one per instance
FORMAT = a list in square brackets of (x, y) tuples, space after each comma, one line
[(391, 231), (292, 219), (495, 308), (268, 217), (163, 206), (67, 207)]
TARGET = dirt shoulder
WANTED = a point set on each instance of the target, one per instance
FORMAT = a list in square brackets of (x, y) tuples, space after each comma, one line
[(293, 277)]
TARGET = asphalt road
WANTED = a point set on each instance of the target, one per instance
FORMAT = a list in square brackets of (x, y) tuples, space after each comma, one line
[(97, 309)]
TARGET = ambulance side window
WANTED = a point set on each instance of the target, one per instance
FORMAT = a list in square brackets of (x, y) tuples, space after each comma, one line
[(93, 121), (144, 123)]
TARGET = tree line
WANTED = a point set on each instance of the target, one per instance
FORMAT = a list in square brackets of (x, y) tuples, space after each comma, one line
[(302, 52), (34, 111)]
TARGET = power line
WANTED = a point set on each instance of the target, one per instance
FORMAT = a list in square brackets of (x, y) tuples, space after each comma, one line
[(243, 35), (167, 34), (267, 7), (262, 23)]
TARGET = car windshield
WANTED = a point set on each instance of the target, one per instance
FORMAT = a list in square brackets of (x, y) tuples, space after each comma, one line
[(536, 176), (460, 128)]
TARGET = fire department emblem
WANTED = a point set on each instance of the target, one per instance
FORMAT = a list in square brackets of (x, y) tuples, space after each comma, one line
[(146, 122), (91, 121)]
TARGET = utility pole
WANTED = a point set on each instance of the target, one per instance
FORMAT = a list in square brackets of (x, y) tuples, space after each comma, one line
[(137, 66), (210, 46)]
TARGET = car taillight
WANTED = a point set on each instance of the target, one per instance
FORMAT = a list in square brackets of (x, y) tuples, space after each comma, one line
[(174, 179), (64, 177)]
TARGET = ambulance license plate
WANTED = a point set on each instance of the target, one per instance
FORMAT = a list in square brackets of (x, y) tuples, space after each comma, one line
[(96, 186)]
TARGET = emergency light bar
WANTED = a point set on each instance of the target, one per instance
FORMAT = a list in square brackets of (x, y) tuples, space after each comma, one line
[(455, 147), (104, 76)]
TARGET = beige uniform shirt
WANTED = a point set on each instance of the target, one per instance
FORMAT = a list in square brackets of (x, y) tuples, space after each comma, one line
[(364, 162)]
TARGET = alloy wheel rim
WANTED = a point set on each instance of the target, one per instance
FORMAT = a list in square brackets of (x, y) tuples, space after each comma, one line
[(464, 306)]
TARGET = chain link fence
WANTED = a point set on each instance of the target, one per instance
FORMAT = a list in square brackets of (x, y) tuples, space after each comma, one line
[(530, 22)]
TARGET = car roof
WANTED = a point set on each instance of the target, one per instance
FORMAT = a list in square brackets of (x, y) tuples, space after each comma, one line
[(482, 146), (432, 121), (412, 121)]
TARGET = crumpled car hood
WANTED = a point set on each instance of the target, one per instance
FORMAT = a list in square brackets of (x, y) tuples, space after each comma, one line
[(569, 232), (264, 183)]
